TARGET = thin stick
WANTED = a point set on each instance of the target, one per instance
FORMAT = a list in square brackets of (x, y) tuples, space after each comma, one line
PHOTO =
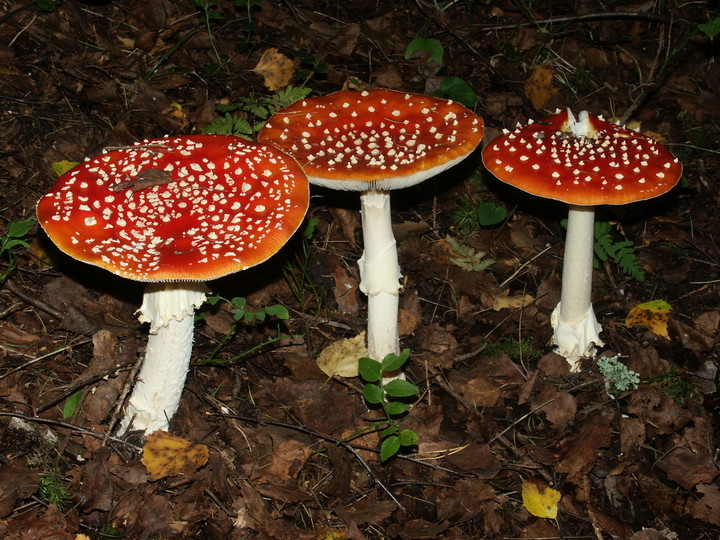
[(34, 301), (523, 265), (65, 425), (44, 356)]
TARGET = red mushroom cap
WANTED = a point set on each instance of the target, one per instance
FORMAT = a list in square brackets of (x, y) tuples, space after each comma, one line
[(585, 163), (213, 206), (376, 139)]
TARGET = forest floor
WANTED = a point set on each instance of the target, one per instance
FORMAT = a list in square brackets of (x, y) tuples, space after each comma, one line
[(498, 412)]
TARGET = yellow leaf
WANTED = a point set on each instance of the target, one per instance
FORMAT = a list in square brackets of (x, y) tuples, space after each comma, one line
[(540, 502), (128, 43), (341, 357), (331, 534), (276, 68), (63, 166), (503, 300), (167, 455), (539, 85), (652, 315)]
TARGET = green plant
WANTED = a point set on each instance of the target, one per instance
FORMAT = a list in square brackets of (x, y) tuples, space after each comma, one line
[(622, 253), (48, 5), (53, 491), (523, 349), (472, 215), (468, 259), (297, 274), (310, 66), (241, 314), (456, 89), (14, 238), (431, 52), (377, 392), (675, 386), (253, 112), (71, 404), (618, 378), (607, 248), (710, 28)]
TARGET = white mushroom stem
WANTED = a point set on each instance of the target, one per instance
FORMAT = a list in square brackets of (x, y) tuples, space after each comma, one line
[(170, 309), (379, 274), (574, 322)]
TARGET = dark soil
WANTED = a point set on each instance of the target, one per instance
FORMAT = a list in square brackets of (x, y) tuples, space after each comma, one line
[(77, 77)]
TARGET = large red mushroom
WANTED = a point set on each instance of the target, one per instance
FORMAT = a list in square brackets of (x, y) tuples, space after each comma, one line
[(373, 142), (585, 163), (174, 212)]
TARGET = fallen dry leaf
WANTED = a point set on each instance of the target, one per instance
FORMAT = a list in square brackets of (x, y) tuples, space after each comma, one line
[(15, 483), (706, 507), (539, 85), (167, 455), (275, 68), (540, 500), (652, 315), (341, 357), (504, 300)]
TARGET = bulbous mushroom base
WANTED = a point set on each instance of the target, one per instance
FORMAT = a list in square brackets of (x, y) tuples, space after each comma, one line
[(576, 340)]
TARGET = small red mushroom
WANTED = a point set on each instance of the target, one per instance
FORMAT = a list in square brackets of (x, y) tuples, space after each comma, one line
[(373, 142), (175, 212), (584, 162)]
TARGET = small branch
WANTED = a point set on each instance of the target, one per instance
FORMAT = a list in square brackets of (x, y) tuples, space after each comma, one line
[(44, 356), (632, 15), (65, 425), (81, 384), (32, 300)]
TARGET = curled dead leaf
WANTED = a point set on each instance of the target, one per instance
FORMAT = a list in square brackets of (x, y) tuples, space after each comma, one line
[(167, 455), (539, 85), (275, 68), (341, 357)]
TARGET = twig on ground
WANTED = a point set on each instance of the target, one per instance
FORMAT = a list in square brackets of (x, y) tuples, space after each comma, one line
[(81, 384), (350, 448), (44, 356), (65, 425), (33, 301)]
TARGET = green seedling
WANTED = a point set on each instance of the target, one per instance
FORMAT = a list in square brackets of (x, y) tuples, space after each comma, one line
[(13, 239), (523, 349), (430, 50), (710, 28), (456, 89), (309, 68), (675, 386), (618, 378), (241, 314), (297, 273), (472, 215), (71, 404), (248, 116), (468, 259), (48, 5), (53, 491), (378, 392)]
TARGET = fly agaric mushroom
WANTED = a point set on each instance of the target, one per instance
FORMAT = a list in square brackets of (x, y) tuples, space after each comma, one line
[(375, 141), (175, 212), (584, 162)]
